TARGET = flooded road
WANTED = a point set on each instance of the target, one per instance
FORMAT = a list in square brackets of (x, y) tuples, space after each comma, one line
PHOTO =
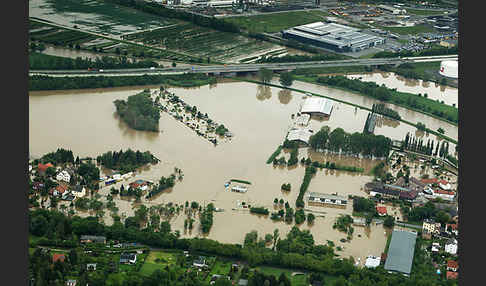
[(258, 116), (435, 91)]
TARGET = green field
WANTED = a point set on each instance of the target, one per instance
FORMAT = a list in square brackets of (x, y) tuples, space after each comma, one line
[(420, 12), (272, 23), (413, 30), (157, 260), (200, 41)]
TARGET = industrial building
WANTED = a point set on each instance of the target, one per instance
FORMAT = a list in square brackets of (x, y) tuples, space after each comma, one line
[(401, 251), (300, 134), (321, 199), (333, 36), (318, 106)]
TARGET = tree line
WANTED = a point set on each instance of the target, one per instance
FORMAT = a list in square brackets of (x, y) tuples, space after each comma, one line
[(38, 61), (43, 82), (433, 51), (338, 140), (139, 112), (126, 161), (59, 157), (383, 93), (412, 143), (300, 58)]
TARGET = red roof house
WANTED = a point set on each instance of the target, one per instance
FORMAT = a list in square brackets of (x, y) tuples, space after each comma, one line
[(59, 190), (452, 275), (429, 181), (43, 167), (452, 265), (58, 257), (381, 210)]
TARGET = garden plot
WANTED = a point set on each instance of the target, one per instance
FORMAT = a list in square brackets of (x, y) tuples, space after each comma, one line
[(200, 41), (96, 16)]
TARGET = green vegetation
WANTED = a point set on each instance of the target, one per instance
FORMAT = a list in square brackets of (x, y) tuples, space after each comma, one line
[(389, 221), (265, 75), (357, 143), (41, 82), (240, 181), (411, 101), (343, 223), (331, 166), (380, 108), (301, 58), (435, 50), (59, 157), (286, 78), (421, 12), (206, 218), (297, 251), (293, 160), (38, 61), (286, 187), (309, 172), (275, 154), (411, 30), (164, 183), (259, 210), (139, 112), (126, 161), (221, 130), (276, 22)]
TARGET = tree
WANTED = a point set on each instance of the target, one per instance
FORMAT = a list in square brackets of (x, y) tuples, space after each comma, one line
[(174, 64), (389, 221), (440, 130), (50, 171), (275, 238), (265, 75), (286, 79), (310, 218)]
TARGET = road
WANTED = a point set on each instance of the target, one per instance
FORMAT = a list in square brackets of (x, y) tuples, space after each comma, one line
[(233, 68)]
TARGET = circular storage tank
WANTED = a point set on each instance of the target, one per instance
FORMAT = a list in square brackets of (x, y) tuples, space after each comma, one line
[(449, 69)]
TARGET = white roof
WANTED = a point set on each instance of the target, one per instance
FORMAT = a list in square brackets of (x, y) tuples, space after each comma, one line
[(299, 134), (372, 261), (317, 105), (302, 120)]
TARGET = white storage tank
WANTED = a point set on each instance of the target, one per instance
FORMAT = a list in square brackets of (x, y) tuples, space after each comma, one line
[(449, 69)]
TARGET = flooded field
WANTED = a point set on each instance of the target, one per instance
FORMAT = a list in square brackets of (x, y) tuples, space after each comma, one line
[(96, 16), (435, 91), (259, 117)]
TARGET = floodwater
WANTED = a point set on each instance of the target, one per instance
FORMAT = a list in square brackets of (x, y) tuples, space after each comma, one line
[(85, 122), (435, 91)]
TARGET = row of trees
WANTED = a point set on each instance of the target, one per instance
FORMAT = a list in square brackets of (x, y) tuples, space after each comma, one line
[(380, 108), (433, 51), (60, 156), (139, 112), (39, 61), (297, 250), (383, 93), (126, 161), (301, 58), (339, 141), (309, 172), (164, 183), (414, 144), (206, 218), (42, 82)]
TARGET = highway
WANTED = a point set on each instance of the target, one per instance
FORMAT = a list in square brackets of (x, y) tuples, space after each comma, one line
[(235, 68)]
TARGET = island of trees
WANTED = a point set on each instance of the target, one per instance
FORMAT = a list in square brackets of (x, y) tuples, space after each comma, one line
[(126, 161), (139, 111)]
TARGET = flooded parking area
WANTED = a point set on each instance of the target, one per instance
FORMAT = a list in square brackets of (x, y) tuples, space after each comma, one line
[(259, 117)]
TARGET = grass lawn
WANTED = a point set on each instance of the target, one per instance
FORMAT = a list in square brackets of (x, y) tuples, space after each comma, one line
[(417, 29), (272, 23), (423, 12), (164, 259), (219, 267), (388, 240)]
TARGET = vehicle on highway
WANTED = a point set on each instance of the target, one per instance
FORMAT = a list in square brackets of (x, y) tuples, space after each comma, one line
[(100, 70), (152, 68)]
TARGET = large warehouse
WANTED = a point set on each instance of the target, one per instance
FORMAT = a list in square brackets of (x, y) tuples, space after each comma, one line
[(333, 36), (317, 105), (400, 252)]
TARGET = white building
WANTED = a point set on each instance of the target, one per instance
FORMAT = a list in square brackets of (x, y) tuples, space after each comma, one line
[(451, 246), (79, 191), (300, 134), (372, 261), (445, 195), (435, 247), (431, 226), (449, 69), (317, 105), (63, 176)]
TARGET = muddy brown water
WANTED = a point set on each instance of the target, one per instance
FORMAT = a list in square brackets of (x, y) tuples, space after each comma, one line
[(433, 90), (259, 117)]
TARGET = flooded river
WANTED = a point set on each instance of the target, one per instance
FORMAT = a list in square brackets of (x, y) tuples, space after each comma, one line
[(259, 117)]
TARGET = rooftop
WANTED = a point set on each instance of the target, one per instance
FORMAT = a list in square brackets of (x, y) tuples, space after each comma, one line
[(452, 264), (317, 105), (452, 275), (327, 196), (401, 251), (300, 134)]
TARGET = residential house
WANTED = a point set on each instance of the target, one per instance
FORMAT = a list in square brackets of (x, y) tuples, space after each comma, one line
[(58, 191), (443, 184), (41, 168), (63, 176), (92, 238), (143, 185), (200, 262), (443, 194), (128, 258), (58, 257), (431, 226), (71, 282), (37, 185), (435, 247), (372, 261), (79, 191), (91, 266), (451, 246), (452, 265), (452, 228), (242, 282), (381, 210), (452, 275)]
